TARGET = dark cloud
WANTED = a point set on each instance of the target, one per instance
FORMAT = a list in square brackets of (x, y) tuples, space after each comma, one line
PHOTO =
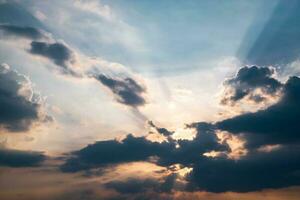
[(110, 152), (26, 31), (127, 91), (247, 80), (255, 172), (18, 111), (168, 184), (132, 148), (189, 151), (135, 185), (57, 52), (17, 158), (162, 131), (277, 124)]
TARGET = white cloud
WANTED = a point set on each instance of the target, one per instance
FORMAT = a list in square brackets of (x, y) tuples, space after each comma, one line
[(95, 7)]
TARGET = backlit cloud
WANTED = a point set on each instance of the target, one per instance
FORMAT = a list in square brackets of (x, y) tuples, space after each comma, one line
[(127, 91), (253, 83), (19, 106)]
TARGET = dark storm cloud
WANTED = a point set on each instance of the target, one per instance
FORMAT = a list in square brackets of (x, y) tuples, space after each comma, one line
[(247, 80), (257, 171), (17, 158), (110, 152), (277, 124), (127, 91), (26, 31), (57, 52), (17, 112), (278, 42), (132, 148)]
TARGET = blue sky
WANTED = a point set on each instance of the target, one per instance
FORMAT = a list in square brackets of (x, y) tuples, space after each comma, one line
[(163, 36)]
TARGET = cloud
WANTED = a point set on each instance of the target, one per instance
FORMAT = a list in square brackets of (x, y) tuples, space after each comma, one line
[(277, 124), (95, 7), (57, 52), (110, 152), (130, 149), (127, 91), (253, 170), (19, 107), (18, 31), (18, 158), (163, 131), (257, 171), (42, 44), (141, 186), (254, 83)]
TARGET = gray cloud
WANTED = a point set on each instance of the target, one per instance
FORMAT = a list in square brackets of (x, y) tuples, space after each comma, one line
[(18, 158), (104, 153), (257, 170), (19, 31), (18, 111), (127, 91), (247, 80), (141, 186), (277, 124), (57, 52), (162, 131), (109, 152)]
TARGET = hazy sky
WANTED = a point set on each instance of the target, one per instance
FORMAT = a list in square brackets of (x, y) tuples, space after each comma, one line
[(140, 99)]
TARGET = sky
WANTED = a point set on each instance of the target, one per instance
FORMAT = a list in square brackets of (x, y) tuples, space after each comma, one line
[(134, 100)]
